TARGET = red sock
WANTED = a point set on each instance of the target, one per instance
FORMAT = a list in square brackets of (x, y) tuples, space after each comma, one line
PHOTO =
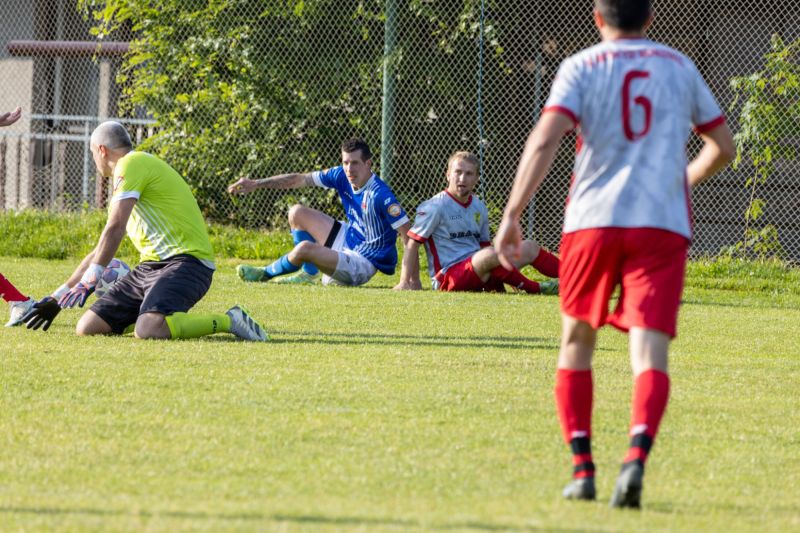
[(515, 279), (650, 395), (10, 292), (546, 263), (574, 405)]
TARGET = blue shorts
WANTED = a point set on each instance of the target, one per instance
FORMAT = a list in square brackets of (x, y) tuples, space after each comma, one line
[(166, 287)]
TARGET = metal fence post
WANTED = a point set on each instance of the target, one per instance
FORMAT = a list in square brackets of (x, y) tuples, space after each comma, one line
[(387, 111)]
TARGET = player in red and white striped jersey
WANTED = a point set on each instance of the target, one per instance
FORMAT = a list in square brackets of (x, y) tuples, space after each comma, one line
[(633, 103)]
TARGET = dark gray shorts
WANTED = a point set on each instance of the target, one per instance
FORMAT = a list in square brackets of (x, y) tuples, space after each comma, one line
[(165, 287)]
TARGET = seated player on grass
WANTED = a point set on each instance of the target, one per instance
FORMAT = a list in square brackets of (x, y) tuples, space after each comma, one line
[(348, 252), (454, 227), (164, 223)]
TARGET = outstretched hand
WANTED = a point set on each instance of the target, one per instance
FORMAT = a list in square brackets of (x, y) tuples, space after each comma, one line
[(7, 119), (42, 313), (77, 295), (508, 242), (242, 186)]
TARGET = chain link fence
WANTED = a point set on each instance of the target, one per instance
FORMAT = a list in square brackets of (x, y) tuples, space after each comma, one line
[(254, 87)]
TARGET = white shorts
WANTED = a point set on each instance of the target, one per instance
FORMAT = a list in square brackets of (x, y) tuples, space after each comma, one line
[(352, 268)]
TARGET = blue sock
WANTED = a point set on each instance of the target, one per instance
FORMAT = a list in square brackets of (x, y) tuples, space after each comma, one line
[(299, 236), (280, 267)]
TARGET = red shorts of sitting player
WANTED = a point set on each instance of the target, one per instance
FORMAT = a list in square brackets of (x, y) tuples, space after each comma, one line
[(648, 264), (462, 277)]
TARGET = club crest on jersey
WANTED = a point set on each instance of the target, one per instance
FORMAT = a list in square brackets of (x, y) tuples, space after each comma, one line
[(394, 210)]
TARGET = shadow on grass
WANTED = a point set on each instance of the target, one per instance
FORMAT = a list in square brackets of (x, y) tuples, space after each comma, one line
[(278, 517), (387, 339), (460, 341)]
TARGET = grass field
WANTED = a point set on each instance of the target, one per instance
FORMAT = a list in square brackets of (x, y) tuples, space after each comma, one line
[(377, 410)]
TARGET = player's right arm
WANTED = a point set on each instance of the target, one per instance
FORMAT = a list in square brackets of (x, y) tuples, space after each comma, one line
[(293, 180), (409, 273), (87, 275), (537, 157)]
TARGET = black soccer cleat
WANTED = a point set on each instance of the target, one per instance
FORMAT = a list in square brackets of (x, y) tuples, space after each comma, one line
[(580, 489), (628, 490)]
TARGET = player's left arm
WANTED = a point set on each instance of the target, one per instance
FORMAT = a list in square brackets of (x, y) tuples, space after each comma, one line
[(537, 157), (718, 150)]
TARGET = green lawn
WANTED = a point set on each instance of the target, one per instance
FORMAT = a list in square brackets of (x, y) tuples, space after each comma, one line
[(377, 410)]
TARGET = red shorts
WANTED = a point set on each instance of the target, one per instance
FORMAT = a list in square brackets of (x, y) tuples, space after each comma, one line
[(462, 277), (649, 264)]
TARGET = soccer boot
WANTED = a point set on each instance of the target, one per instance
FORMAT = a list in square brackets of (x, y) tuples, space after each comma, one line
[(628, 491), (549, 287), (300, 278), (243, 325), (19, 310), (580, 489), (251, 273)]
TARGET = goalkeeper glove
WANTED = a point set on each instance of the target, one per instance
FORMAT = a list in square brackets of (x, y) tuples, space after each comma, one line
[(42, 313), (82, 289)]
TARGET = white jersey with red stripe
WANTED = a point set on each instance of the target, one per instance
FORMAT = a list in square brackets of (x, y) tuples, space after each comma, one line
[(635, 103), (450, 230)]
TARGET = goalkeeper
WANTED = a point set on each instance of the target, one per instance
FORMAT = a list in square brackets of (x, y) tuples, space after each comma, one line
[(156, 207)]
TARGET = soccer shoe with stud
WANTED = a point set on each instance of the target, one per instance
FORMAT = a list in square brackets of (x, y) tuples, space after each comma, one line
[(580, 489), (243, 325), (628, 490), (251, 273), (19, 310), (300, 278), (549, 287)]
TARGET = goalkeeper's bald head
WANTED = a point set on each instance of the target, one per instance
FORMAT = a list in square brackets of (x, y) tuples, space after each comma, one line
[(112, 135)]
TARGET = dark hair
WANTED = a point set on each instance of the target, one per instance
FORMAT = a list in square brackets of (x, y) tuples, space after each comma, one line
[(351, 145), (629, 15)]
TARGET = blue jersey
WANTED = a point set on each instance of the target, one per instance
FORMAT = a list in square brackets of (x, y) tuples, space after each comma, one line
[(374, 215)]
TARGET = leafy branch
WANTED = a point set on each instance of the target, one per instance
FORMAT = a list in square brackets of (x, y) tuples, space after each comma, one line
[(769, 124)]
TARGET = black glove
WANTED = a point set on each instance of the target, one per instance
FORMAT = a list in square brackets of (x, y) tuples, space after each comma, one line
[(42, 313)]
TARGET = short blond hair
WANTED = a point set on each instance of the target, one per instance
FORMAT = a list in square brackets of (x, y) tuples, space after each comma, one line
[(469, 157)]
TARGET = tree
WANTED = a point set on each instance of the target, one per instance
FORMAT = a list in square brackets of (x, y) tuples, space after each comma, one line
[(769, 123)]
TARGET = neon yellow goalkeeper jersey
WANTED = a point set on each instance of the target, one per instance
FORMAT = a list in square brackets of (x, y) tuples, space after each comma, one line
[(165, 220)]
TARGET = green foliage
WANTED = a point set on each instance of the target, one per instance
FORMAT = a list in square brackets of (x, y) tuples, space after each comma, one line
[(32, 233), (249, 87), (235, 86), (769, 123), (768, 276), (41, 234)]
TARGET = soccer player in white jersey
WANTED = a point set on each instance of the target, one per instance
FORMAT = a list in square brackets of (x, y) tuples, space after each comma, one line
[(454, 228), (348, 252), (634, 103)]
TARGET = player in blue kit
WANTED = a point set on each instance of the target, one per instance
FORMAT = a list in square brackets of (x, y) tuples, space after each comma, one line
[(348, 252)]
